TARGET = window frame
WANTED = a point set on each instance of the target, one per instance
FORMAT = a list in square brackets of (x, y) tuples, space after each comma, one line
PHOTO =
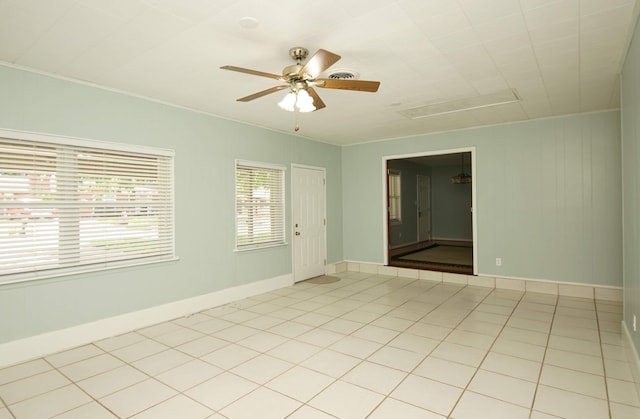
[(395, 200), (280, 211), (70, 145)]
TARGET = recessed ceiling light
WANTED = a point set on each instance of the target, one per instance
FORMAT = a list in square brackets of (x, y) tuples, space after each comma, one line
[(248, 22)]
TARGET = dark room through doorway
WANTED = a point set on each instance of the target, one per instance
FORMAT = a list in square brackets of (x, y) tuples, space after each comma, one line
[(430, 212)]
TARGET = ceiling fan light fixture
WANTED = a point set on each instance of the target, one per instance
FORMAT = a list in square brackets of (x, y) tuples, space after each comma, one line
[(305, 102), (302, 79), (462, 177), (288, 101), (299, 100)]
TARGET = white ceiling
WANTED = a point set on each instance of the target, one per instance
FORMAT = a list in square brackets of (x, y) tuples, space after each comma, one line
[(562, 56)]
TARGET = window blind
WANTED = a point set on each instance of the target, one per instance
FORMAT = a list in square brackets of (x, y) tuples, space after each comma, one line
[(70, 207), (259, 205), (395, 196)]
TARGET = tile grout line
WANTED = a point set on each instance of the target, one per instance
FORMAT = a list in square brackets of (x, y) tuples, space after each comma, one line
[(75, 383), (574, 369), (428, 354), (361, 360), (442, 340), (485, 355), (583, 372), (129, 364), (387, 396), (604, 365), (259, 385), (178, 392), (340, 313), (6, 406), (544, 356), (383, 345)]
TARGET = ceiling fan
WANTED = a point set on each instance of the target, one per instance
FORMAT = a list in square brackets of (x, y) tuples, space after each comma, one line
[(301, 79)]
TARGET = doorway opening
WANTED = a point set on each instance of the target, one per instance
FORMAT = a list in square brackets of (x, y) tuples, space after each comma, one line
[(428, 213)]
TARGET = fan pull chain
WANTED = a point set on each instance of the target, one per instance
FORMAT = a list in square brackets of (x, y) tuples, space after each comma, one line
[(296, 116)]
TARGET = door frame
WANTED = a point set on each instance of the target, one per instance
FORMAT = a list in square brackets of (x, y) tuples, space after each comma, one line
[(292, 222), (385, 195), (429, 206)]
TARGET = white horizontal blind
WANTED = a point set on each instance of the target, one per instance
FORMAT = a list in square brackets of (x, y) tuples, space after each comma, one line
[(259, 205), (395, 196), (65, 206)]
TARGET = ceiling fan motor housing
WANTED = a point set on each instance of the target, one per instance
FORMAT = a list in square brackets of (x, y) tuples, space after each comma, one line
[(298, 77), (291, 72)]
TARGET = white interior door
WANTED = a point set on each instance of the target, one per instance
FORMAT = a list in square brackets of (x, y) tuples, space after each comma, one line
[(309, 225), (424, 208)]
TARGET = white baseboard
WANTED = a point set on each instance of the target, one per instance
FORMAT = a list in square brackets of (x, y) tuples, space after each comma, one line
[(567, 289), (37, 346), (632, 356)]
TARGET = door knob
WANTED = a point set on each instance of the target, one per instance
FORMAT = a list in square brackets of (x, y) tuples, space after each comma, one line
[(297, 233)]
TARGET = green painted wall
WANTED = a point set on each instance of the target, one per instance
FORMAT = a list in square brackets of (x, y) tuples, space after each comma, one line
[(548, 192), (631, 184), (451, 205), (548, 197), (206, 148)]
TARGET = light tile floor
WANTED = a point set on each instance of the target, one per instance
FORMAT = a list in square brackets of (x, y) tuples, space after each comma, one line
[(366, 346)]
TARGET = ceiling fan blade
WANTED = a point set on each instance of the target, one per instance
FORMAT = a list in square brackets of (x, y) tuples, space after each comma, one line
[(317, 102), (360, 85), (262, 93), (319, 62), (249, 71)]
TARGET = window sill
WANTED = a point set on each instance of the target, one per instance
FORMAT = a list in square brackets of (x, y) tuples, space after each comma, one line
[(259, 247)]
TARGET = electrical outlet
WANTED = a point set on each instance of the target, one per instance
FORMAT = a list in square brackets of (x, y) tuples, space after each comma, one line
[(498, 261), (634, 323)]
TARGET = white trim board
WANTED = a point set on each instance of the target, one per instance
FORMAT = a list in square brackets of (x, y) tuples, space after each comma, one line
[(47, 343)]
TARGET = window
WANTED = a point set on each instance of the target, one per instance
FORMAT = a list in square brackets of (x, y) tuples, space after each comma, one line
[(259, 205), (395, 196), (73, 205)]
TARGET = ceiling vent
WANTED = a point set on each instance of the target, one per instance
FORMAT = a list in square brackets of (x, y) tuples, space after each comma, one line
[(459, 105), (343, 74)]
